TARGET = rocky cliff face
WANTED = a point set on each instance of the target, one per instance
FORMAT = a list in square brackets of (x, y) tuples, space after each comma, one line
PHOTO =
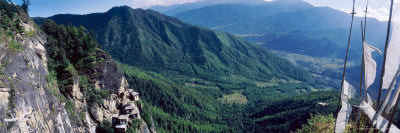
[(108, 76), (26, 100), (30, 99)]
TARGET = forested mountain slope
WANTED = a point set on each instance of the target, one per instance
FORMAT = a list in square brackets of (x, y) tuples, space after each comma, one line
[(284, 25), (152, 41), (315, 33), (193, 79)]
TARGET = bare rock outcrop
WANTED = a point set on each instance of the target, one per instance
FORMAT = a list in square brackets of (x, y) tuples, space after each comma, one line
[(30, 101), (27, 104)]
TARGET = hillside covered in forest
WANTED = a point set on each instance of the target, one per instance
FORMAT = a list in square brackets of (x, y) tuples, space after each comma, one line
[(195, 79)]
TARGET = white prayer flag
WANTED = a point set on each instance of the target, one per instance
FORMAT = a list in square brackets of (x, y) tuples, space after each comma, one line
[(381, 122), (369, 64), (392, 102), (393, 54), (348, 90), (343, 117), (369, 99), (387, 96), (345, 111)]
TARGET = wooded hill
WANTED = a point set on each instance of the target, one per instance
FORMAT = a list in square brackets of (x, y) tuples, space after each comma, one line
[(196, 80)]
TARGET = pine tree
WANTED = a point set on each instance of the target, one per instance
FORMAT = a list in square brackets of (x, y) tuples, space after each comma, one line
[(25, 5)]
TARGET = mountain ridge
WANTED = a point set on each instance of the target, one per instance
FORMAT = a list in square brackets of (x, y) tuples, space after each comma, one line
[(145, 24), (187, 73), (272, 30), (225, 14)]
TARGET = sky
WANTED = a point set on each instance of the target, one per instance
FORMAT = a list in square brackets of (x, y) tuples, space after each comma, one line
[(377, 8), (44, 8)]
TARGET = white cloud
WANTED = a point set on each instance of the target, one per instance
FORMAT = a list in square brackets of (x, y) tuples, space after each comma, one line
[(382, 14), (395, 1), (378, 9), (269, 0), (383, 10)]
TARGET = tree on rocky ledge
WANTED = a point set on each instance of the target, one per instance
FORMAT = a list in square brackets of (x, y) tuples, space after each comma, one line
[(25, 5)]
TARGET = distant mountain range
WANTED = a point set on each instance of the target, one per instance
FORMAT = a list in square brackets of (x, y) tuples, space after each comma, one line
[(277, 25), (227, 15), (293, 26), (177, 8), (199, 80)]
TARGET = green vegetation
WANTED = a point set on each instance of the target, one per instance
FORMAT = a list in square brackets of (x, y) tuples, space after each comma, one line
[(70, 108), (170, 123), (136, 123), (145, 112), (9, 21), (319, 124), (30, 33), (25, 4), (97, 96), (104, 127), (10, 125), (131, 130), (2, 69), (70, 51), (236, 97), (286, 26), (10, 25), (168, 46), (182, 72), (288, 113), (177, 107), (92, 95), (170, 108), (15, 46), (52, 84)]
